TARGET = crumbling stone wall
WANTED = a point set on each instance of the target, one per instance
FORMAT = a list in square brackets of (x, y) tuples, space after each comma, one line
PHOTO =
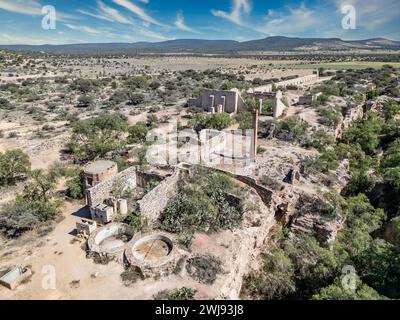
[(153, 204), (229, 100), (351, 115), (101, 192), (143, 178)]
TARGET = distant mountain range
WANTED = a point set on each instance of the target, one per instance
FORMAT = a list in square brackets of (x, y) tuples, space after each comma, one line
[(273, 44)]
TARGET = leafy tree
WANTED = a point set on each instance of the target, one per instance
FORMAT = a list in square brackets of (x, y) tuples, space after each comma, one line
[(36, 205), (14, 165), (95, 137), (360, 182), (379, 267), (275, 281), (137, 82), (391, 110), (204, 205), (245, 120), (320, 139), (251, 104), (138, 133), (294, 125), (337, 291), (392, 176), (392, 156), (218, 121), (330, 116), (366, 132), (75, 184)]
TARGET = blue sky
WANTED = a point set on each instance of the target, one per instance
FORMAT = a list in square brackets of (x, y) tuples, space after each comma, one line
[(81, 21)]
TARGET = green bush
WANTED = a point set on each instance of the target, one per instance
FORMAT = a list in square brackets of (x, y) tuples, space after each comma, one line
[(95, 137), (138, 133), (14, 165)]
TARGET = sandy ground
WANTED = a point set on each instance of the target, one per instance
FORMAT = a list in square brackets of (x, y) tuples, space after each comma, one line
[(59, 251)]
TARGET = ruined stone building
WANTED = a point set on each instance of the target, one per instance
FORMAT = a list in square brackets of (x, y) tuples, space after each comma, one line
[(278, 107), (99, 171), (268, 88), (217, 101)]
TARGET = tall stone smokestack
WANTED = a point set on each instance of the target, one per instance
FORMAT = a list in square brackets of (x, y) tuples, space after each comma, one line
[(255, 134)]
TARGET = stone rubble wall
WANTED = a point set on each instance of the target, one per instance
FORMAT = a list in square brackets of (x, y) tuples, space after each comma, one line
[(352, 115), (154, 203), (101, 192)]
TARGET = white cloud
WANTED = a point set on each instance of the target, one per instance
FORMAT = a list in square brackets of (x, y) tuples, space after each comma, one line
[(83, 28), (239, 7), (293, 21), (114, 14), (180, 24), (30, 7), (107, 13), (141, 13)]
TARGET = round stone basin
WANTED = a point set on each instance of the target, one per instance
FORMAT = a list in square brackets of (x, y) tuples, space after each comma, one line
[(152, 248)]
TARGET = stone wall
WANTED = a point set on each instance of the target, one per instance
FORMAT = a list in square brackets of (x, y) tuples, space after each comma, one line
[(101, 192), (143, 178), (229, 100), (351, 115), (153, 204)]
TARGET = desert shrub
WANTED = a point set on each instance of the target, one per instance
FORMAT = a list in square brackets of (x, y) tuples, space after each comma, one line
[(245, 120), (118, 97), (207, 204), (130, 276), (85, 101), (5, 104), (14, 165), (320, 140), (390, 110), (138, 133), (75, 183), (95, 137), (275, 281), (218, 121), (336, 291), (204, 268), (293, 125), (36, 205), (136, 98), (181, 294), (330, 116), (137, 82), (365, 132), (137, 221), (84, 85)]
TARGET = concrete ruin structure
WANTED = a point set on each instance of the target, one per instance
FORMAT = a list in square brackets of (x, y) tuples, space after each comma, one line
[(99, 171), (111, 240), (13, 278), (217, 101), (284, 84), (85, 227), (104, 207), (308, 99), (278, 107), (153, 254)]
